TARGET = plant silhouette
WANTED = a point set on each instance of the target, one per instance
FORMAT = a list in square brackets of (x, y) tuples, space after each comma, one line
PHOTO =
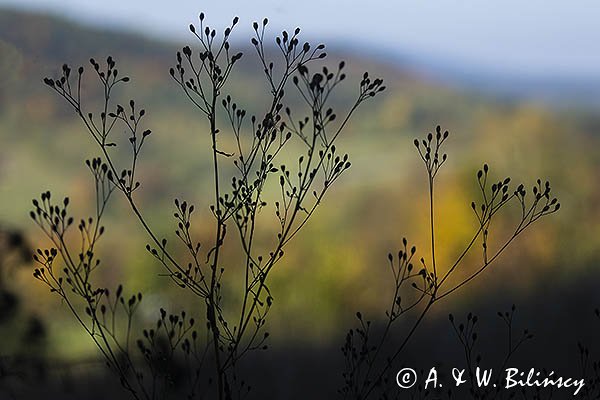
[(418, 285), (175, 353), (179, 356)]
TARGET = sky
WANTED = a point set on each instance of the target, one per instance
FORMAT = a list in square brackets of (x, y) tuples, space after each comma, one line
[(512, 37)]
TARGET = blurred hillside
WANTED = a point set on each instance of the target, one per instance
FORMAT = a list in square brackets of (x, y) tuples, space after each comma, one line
[(328, 272)]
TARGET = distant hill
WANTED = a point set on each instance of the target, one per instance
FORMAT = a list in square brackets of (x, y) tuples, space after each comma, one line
[(26, 28), (562, 91), (56, 39), (38, 44)]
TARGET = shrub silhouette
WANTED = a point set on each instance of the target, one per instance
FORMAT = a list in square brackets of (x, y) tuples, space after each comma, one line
[(22, 351), (177, 357)]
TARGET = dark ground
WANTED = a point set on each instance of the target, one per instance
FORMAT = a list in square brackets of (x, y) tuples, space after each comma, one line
[(558, 315)]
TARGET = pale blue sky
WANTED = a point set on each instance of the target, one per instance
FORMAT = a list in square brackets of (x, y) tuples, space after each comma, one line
[(516, 37)]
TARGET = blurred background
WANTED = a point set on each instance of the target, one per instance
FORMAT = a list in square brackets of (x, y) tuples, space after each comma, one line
[(517, 84)]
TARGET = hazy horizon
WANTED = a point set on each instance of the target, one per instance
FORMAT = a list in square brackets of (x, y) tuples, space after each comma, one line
[(509, 38)]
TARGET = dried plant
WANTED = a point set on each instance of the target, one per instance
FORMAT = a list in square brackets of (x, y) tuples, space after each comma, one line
[(419, 285), (468, 337), (176, 356)]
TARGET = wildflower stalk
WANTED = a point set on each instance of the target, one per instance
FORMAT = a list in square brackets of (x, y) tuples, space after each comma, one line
[(366, 371), (203, 75)]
